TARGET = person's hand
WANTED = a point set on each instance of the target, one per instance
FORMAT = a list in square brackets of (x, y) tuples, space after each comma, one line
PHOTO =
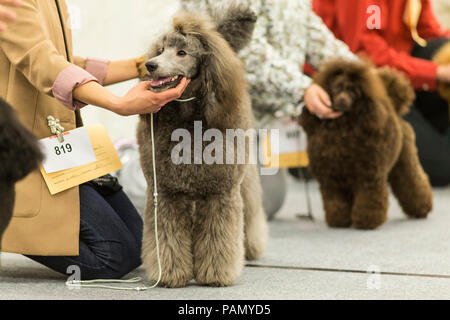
[(443, 73), (140, 100), (6, 14), (318, 102)]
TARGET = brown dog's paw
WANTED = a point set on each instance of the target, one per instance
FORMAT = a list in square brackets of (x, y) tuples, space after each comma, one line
[(338, 219), (339, 223), (368, 221), (420, 210)]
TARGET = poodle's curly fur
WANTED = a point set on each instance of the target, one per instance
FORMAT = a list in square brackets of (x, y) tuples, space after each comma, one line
[(442, 57), (210, 217), (19, 155), (356, 156)]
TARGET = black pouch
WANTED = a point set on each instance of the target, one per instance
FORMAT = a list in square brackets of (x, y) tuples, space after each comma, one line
[(106, 185)]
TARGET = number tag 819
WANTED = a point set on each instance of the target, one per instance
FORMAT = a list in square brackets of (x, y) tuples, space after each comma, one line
[(75, 151), (62, 149)]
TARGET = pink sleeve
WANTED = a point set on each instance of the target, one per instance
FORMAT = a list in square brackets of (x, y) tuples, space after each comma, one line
[(98, 68), (70, 78)]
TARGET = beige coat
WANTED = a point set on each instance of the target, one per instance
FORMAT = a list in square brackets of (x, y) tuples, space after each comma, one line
[(33, 51)]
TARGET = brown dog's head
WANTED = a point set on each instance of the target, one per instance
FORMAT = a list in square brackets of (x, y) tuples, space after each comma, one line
[(442, 57), (203, 49), (349, 83)]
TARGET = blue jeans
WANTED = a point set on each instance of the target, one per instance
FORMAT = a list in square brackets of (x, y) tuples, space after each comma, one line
[(433, 148), (110, 237)]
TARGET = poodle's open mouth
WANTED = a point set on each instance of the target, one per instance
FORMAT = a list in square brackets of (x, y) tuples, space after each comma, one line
[(165, 83)]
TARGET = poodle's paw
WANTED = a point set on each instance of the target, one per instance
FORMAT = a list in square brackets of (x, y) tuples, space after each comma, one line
[(217, 279), (420, 212), (368, 220), (256, 241), (254, 249), (419, 208), (176, 273), (173, 283), (175, 279), (335, 221), (216, 275)]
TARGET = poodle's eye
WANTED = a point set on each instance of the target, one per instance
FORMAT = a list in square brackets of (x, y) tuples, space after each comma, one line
[(181, 53), (160, 51)]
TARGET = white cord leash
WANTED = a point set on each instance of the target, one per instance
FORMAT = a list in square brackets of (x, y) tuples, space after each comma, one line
[(97, 282), (185, 100)]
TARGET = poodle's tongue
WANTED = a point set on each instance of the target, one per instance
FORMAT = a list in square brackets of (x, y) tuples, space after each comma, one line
[(160, 81)]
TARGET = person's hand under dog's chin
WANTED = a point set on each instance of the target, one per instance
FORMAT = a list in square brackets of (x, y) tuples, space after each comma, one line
[(319, 103), (141, 99)]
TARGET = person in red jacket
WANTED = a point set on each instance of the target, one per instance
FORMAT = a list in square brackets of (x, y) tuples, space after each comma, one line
[(403, 34)]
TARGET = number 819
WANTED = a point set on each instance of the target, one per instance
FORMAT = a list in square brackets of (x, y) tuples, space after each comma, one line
[(62, 149)]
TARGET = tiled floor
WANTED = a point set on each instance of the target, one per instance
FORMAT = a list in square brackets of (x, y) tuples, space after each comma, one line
[(305, 260)]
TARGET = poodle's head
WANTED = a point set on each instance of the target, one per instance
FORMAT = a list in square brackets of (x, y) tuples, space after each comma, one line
[(19, 151), (202, 48), (349, 84), (442, 57)]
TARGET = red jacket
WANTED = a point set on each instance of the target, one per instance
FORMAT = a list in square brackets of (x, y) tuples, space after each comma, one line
[(392, 44)]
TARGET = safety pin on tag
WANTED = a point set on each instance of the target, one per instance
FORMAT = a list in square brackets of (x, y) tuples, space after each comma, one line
[(56, 128)]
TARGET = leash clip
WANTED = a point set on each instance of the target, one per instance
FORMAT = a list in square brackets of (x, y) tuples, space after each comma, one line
[(56, 128)]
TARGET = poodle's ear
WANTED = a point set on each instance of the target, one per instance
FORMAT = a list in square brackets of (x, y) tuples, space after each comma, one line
[(235, 23), (19, 150), (224, 82), (398, 88)]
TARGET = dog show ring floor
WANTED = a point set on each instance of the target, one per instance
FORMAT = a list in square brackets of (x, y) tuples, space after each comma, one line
[(403, 259)]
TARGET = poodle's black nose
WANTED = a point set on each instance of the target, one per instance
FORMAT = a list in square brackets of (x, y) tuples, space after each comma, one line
[(151, 66)]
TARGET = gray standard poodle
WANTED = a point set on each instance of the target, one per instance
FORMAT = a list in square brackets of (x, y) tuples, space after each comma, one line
[(210, 215)]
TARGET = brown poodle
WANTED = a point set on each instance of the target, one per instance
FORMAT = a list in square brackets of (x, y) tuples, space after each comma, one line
[(356, 156), (19, 155), (442, 57), (210, 217)]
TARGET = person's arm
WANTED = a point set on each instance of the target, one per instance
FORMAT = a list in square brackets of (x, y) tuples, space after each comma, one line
[(121, 70), (429, 27), (422, 73), (109, 72), (7, 15)]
